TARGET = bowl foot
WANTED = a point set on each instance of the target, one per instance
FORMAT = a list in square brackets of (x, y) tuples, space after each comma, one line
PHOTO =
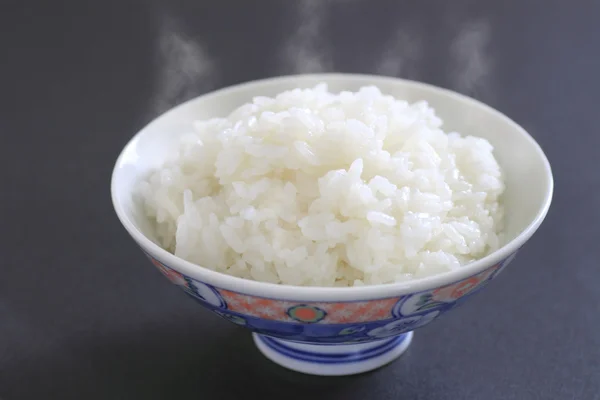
[(332, 360)]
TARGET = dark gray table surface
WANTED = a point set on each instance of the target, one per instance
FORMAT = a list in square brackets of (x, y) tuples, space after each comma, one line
[(84, 316)]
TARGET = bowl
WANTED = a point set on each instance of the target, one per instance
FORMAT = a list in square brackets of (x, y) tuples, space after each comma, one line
[(342, 330)]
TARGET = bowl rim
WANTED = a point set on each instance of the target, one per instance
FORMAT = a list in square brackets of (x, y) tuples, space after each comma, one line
[(323, 293)]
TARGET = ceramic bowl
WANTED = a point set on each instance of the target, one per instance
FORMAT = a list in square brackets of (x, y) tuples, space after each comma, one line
[(339, 331)]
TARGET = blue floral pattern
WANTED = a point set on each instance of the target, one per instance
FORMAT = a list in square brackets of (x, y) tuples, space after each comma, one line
[(403, 325), (206, 293)]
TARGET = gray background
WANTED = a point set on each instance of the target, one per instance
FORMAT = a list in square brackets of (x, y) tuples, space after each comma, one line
[(84, 316)]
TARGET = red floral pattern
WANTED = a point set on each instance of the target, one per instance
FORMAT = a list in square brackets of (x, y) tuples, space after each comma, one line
[(457, 290), (341, 313), (338, 312), (172, 275)]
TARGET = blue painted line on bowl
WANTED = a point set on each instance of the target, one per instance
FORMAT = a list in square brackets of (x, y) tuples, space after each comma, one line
[(340, 358)]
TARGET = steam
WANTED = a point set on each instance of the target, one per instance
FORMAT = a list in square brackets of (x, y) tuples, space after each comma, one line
[(305, 51), (401, 55), (186, 69), (471, 59)]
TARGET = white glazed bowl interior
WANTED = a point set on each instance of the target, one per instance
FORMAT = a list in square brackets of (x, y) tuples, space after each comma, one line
[(527, 172)]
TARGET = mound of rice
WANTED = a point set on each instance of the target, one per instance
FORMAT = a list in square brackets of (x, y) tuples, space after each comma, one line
[(322, 189)]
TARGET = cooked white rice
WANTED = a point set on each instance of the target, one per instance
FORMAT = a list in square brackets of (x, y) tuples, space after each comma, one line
[(322, 189)]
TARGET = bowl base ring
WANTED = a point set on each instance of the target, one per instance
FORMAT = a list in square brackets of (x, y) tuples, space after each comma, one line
[(332, 359)]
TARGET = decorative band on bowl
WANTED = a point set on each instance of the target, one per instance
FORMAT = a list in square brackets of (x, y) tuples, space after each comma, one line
[(332, 358)]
